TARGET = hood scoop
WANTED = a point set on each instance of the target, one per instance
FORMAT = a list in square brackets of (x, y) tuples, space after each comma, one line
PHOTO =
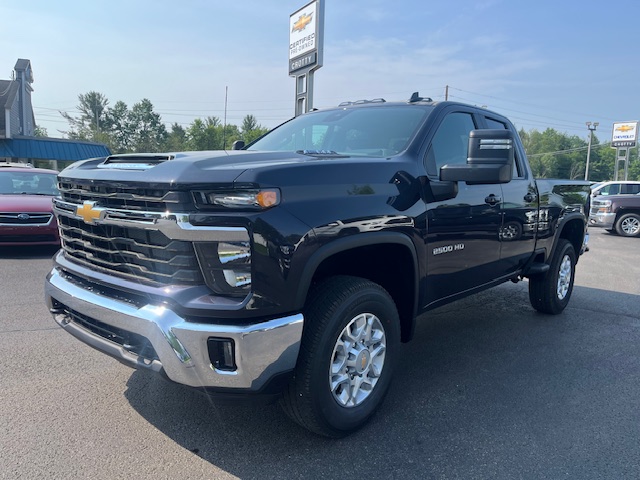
[(134, 161)]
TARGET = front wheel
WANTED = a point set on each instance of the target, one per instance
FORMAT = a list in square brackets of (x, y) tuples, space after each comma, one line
[(550, 293), (628, 225), (349, 347)]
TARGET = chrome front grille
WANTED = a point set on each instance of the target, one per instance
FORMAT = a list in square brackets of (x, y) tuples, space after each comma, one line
[(129, 244), (130, 252), (123, 197), (27, 219)]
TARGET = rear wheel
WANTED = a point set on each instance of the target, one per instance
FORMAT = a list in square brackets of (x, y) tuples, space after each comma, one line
[(349, 347), (550, 293), (628, 225)]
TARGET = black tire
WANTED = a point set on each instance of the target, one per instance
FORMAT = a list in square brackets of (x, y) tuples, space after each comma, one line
[(311, 399), (550, 293), (628, 225)]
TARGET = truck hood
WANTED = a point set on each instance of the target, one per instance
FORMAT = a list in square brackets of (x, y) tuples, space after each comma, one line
[(221, 167)]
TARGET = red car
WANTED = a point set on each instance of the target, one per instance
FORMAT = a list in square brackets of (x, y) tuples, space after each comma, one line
[(26, 214)]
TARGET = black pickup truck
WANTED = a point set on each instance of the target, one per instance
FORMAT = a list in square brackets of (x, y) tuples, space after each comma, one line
[(294, 267)]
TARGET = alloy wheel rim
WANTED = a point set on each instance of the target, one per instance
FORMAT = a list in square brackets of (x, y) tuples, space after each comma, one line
[(564, 277), (357, 360), (631, 226)]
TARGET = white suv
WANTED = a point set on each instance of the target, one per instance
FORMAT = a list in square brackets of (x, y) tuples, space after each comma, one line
[(615, 188)]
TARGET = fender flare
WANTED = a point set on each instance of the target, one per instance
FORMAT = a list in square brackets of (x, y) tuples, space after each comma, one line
[(562, 222), (348, 243)]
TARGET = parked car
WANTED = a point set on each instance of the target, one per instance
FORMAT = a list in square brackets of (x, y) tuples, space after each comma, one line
[(615, 188), (617, 212), (26, 213)]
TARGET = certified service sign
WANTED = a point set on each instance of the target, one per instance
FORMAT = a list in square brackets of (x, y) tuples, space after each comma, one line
[(304, 38), (625, 134)]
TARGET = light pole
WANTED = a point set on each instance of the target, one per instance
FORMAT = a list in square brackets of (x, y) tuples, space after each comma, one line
[(592, 128)]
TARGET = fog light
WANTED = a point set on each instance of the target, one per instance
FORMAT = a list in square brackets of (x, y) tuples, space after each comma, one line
[(222, 354), (237, 278), (238, 252), (226, 266)]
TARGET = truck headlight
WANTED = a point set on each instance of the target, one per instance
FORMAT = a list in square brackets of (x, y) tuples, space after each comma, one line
[(604, 206), (226, 266), (241, 199)]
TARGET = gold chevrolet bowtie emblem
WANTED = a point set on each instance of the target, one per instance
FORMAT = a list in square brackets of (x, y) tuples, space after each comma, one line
[(302, 22), (90, 213)]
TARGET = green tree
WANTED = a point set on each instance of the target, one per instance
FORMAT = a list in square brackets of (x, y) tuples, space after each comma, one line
[(119, 127), (40, 131), (204, 134), (177, 139), (148, 133), (553, 154), (250, 129), (634, 164), (230, 134), (92, 108), (249, 123), (601, 161)]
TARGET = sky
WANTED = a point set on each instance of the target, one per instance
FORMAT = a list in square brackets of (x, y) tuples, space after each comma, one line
[(544, 64)]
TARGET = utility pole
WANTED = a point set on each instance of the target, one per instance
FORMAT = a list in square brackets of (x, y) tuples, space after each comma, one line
[(446, 93), (592, 128), (224, 126)]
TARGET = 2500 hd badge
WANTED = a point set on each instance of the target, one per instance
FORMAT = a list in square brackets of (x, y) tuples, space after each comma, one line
[(448, 249)]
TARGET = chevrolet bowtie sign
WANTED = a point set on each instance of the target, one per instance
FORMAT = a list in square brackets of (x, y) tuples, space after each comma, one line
[(625, 134), (305, 38)]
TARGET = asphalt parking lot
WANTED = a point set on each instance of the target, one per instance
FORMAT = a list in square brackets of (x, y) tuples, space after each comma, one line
[(488, 389)]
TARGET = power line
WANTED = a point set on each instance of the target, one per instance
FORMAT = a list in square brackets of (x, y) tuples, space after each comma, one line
[(569, 150), (519, 102)]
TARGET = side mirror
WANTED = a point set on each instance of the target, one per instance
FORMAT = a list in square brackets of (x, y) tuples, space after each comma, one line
[(490, 159), (238, 145)]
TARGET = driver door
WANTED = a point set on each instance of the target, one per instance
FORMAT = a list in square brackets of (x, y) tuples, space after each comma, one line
[(463, 233)]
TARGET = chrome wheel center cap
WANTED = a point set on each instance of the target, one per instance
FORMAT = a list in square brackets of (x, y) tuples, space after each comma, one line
[(362, 362)]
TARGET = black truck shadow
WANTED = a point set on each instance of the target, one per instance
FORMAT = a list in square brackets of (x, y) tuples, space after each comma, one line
[(485, 381)]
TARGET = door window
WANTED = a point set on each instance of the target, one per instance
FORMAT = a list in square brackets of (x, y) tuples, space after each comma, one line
[(518, 171), (450, 143), (630, 188), (611, 189)]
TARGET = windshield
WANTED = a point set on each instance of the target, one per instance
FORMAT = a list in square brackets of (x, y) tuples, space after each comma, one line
[(379, 131), (32, 183)]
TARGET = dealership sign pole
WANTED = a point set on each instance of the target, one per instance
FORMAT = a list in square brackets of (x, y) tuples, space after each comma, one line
[(625, 137), (306, 32)]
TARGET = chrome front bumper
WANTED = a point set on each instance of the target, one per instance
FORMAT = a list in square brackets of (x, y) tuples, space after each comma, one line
[(604, 220), (262, 350)]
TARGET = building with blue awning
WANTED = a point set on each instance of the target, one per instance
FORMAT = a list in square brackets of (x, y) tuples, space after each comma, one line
[(17, 128)]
